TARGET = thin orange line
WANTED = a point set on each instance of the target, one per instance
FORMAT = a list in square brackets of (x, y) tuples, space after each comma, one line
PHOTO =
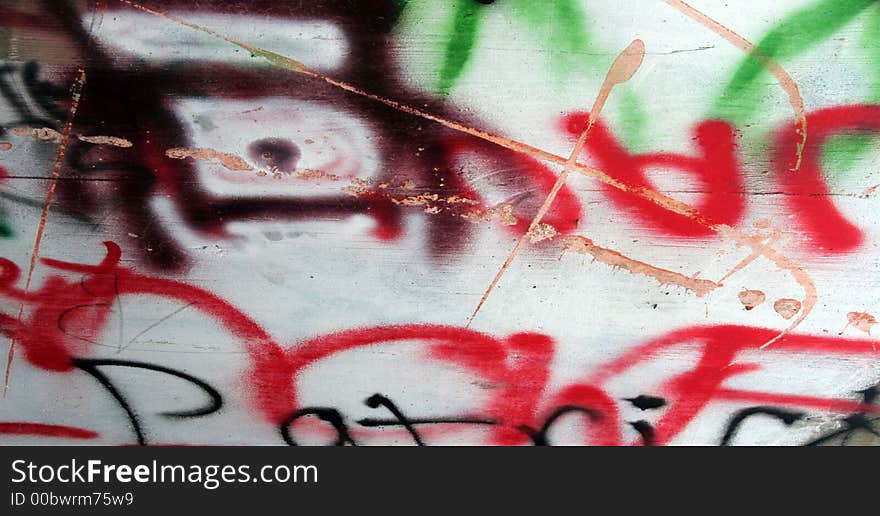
[(621, 70), (76, 91), (785, 80)]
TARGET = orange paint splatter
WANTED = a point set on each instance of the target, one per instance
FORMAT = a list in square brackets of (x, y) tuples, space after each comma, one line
[(787, 307), (869, 191), (861, 321), (811, 296), (582, 245), (229, 161), (622, 69), (751, 298), (756, 253), (76, 91)]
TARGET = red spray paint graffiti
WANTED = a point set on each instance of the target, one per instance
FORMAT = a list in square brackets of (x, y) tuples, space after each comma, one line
[(518, 364), (807, 193), (716, 169)]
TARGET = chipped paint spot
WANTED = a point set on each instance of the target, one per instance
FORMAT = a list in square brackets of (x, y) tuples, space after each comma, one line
[(787, 307), (229, 161), (861, 321), (46, 134), (356, 191), (542, 232), (309, 173), (417, 200), (106, 140)]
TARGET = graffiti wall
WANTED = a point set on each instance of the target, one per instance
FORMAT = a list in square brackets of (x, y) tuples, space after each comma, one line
[(410, 222)]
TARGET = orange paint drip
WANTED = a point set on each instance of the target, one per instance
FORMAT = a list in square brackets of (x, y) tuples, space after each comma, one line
[(803, 279), (661, 200), (106, 140), (621, 70), (583, 245), (76, 91), (787, 307), (751, 299), (229, 161), (869, 192), (785, 80), (861, 321), (751, 258)]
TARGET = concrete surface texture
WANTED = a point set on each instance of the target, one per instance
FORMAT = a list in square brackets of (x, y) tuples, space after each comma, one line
[(623, 222)]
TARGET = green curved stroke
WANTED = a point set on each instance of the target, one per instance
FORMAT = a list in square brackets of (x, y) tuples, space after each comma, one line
[(461, 38), (743, 94), (750, 85), (562, 27)]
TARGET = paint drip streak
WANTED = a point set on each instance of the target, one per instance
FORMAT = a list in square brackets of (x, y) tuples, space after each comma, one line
[(76, 92), (785, 80), (621, 70), (582, 245)]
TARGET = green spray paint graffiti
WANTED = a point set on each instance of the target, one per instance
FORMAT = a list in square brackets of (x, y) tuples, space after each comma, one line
[(560, 25), (460, 41), (562, 28), (744, 93)]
